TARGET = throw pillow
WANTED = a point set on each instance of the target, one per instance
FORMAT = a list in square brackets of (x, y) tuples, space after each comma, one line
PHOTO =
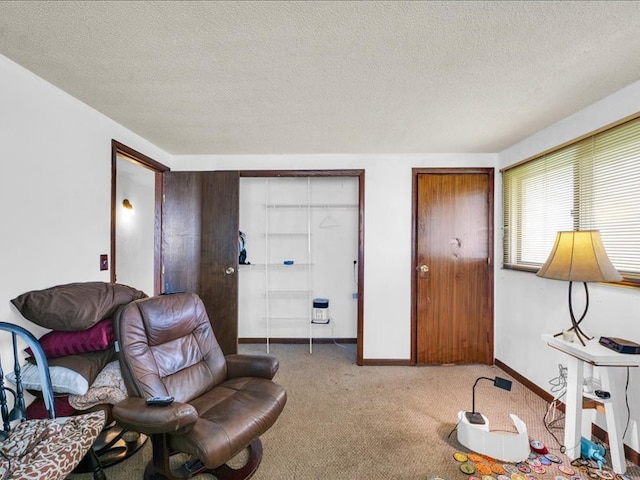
[(59, 343), (75, 306), (63, 380), (72, 374)]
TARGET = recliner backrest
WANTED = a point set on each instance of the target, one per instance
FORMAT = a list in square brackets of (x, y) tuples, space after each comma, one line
[(169, 347)]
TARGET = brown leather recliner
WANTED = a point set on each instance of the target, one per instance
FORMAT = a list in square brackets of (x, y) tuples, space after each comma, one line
[(222, 404)]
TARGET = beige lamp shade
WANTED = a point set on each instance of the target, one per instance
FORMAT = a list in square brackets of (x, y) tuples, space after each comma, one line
[(579, 257)]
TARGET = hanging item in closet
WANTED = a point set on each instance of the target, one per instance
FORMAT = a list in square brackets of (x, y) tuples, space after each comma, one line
[(242, 251), (328, 222)]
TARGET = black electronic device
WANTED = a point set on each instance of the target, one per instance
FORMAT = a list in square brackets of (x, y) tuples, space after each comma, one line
[(620, 345), (602, 394), (159, 401)]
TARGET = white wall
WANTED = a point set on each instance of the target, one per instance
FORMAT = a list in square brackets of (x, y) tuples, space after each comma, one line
[(528, 306), (387, 229), (55, 187)]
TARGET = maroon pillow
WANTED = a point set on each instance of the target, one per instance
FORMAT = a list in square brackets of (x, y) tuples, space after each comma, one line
[(37, 409), (75, 306), (60, 344)]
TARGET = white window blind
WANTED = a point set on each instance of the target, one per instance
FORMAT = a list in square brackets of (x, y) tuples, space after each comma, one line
[(592, 184)]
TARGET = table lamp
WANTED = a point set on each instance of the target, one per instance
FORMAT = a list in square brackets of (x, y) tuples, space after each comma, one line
[(579, 257)]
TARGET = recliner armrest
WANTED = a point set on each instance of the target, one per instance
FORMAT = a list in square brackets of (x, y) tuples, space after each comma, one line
[(133, 413), (242, 365)]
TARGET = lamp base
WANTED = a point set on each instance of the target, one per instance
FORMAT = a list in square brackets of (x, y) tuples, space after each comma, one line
[(576, 332), (474, 417)]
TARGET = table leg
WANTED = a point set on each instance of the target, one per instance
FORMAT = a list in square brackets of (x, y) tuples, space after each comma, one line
[(613, 409), (573, 413)]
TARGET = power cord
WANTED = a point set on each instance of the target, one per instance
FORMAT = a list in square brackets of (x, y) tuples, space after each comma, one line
[(626, 399), (559, 388), (355, 281), (338, 344), (453, 430), (355, 278), (559, 384)]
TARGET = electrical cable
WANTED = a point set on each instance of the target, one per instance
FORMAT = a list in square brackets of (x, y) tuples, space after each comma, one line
[(339, 345), (454, 429), (553, 435), (355, 281), (559, 387), (355, 274), (560, 382), (626, 399)]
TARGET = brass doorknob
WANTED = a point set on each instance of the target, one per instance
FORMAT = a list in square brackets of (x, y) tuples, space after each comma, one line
[(423, 268), (230, 271)]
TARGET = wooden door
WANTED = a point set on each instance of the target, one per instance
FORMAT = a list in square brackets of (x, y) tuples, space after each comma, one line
[(453, 281), (200, 245)]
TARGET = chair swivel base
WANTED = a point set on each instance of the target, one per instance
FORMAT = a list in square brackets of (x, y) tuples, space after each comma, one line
[(113, 445), (159, 467)]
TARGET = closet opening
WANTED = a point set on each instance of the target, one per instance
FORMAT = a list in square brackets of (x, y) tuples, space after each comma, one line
[(302, 279)]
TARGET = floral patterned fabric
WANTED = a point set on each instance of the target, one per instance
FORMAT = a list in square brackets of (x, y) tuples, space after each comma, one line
[(108, 387), (48, 449)]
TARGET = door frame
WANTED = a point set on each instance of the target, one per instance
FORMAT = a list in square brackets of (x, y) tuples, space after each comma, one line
[(359, 173), (416, 172), (158, 168)]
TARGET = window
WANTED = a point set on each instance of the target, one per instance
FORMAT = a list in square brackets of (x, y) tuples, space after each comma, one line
[(591, 184)]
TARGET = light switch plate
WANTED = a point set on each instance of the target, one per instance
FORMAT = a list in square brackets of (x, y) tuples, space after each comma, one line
[(104, 262)]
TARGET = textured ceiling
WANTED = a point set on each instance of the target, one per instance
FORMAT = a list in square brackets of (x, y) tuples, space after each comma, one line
[(329, 77)]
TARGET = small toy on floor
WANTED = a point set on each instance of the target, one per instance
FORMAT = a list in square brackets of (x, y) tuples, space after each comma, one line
[(592, 451)]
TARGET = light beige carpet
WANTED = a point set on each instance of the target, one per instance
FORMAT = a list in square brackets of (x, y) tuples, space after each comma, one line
[(348, 422)]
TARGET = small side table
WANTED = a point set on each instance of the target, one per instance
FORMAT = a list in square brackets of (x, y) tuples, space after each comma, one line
[(595, 354)]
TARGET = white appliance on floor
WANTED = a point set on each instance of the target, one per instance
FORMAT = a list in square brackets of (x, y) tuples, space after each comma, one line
[(508, 447)]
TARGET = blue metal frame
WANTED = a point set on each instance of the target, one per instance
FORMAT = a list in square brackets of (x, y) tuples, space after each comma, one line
[(18, 412)]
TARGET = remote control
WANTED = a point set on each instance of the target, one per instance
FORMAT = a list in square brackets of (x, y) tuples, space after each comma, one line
[(159, 401)]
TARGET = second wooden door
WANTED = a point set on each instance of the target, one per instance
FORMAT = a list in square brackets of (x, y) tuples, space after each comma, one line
[(453, 282)]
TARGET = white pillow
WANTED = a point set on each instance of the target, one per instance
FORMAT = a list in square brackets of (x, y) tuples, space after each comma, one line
[(63, 379)]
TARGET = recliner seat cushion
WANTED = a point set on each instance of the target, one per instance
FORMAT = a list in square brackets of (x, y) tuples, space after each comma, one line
[(232, 414)]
